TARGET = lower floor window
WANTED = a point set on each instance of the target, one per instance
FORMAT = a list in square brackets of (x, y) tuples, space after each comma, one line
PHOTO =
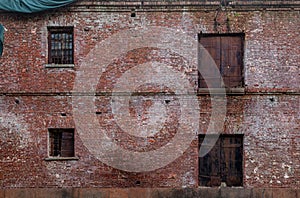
[(61, 142), (223, 163)]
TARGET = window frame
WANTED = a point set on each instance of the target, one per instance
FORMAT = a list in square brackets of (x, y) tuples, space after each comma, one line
[(63, 30), (229, 90), (221, 161), (60, 131)]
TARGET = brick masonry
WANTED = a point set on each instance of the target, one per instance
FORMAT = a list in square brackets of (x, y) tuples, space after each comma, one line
[(33, 97)]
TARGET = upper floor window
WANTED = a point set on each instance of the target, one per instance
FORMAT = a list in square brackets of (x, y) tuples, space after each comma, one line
[(227, 52), (60, 45)]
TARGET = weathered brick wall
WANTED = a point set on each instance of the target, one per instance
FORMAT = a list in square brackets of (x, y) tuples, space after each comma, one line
[(33, 97), (271, 146)]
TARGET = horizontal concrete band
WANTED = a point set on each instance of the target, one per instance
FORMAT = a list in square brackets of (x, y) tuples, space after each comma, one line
[(224, 192)]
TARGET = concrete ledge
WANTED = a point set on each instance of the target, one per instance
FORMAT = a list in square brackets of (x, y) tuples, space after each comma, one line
[(59, 65), (61, 158), (220, 91), (150, 192)]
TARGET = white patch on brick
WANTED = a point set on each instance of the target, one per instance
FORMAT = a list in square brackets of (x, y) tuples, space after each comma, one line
[(14, 128), (188, 179)]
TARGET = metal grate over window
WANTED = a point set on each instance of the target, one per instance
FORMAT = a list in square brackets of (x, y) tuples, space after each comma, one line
[(61, 45), (61, 142)]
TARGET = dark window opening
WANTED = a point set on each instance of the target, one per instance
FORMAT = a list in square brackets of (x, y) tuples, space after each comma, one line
[(60, 45), (227, 52), (224, 162), (61, 142)]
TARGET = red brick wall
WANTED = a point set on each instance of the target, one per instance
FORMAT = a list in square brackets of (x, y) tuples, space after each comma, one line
[(33, 97)]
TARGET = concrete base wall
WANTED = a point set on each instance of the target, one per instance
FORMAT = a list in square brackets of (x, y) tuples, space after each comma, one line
[(150, 193)]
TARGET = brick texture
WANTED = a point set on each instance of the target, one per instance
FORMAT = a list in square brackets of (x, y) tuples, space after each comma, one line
[(34, 98)]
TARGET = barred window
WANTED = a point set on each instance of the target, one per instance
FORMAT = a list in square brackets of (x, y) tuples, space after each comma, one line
[(60, 45), (61, 142)]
